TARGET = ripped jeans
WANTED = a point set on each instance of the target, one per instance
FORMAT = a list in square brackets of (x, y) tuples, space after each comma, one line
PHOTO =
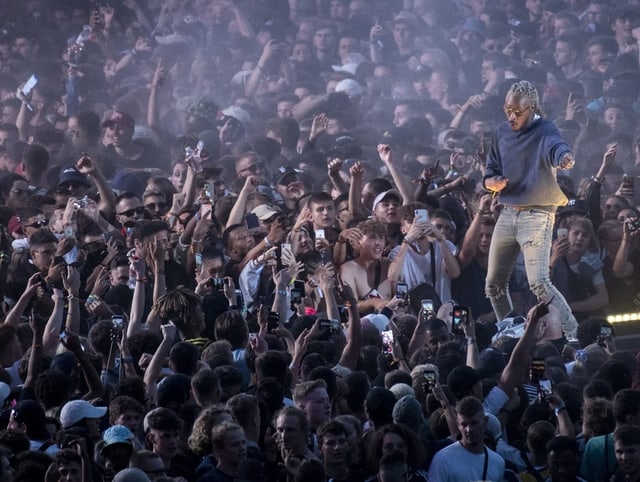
[(529, 230)]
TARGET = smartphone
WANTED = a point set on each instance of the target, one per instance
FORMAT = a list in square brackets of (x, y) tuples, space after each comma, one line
[(427, 305), (331, 325), (209, 190), (421, 216), (563, 233), (296, 296), (252, 221), (634, 223), (216, 283), (628, 180), (402, 291), (460, 317), (605, 332), (545, 388), (387, 340), (68, 232), (199, 260), (320, 234), (117, 321), (285, 247), (299, 285), (29, 85), (273, 320), (429, 380), (239, 298), (576, 96), (537, 370)]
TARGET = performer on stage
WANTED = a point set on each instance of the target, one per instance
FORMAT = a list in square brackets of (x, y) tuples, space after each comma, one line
[(525, 153)]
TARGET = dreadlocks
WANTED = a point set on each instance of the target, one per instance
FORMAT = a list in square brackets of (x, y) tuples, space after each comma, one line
[(525, 89), (179, 306)]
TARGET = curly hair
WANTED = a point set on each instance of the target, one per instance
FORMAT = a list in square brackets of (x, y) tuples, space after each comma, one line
[(200, 438), (179, 306), (597, 418), (525, 89), (415, 452)]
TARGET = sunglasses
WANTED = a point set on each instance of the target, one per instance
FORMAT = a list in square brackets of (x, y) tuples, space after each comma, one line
[(38, 224), (517, 112), (130, 212)]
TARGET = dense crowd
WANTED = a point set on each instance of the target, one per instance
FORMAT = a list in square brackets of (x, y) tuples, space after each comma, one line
[(249, 240)]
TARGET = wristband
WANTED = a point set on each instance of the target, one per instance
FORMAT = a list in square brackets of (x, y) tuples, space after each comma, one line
[(282, 292), (126, 359), (471, 341), (597, 179), (72, 297), (267, 243), (559, 409)]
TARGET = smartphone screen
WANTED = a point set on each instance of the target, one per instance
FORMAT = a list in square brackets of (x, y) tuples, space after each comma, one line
[(296, 296), (29, 85), (387, 340), (605, 331), (537, 370), (320, 234), (460, 315), (546, 387), (429, 380), (421, 216), (273, 321), (427, 305), (402, 290)]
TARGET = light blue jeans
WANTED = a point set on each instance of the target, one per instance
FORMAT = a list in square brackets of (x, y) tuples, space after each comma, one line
[(529, 230)]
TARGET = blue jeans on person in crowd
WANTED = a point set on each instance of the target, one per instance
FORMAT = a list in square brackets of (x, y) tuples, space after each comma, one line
[(528, 229)]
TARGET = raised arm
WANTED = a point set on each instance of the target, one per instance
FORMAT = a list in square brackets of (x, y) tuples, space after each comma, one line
[(158, 360), (71, 283), (472, 236), (515, 373), (137, 303), (236, 216), (402, 182), (107, 203)]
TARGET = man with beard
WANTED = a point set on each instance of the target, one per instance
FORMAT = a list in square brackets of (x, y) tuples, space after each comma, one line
[(130, 153)]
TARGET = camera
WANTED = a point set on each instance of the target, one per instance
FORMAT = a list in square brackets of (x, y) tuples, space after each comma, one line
[(81, 203)]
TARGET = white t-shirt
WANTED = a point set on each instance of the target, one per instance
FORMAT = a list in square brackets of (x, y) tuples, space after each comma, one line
[(494, 401), (454, 463), (416, 269)]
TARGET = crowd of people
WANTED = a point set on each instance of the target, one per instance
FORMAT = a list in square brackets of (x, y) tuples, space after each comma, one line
[(249, 240)]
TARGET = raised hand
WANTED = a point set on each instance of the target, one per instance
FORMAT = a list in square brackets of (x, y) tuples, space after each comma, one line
[(384, 151)]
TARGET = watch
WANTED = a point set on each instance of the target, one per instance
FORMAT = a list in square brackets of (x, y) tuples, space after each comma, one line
[(559, 409)]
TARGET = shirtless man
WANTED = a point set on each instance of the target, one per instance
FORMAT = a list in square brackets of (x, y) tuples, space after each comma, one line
[(367, 274)]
